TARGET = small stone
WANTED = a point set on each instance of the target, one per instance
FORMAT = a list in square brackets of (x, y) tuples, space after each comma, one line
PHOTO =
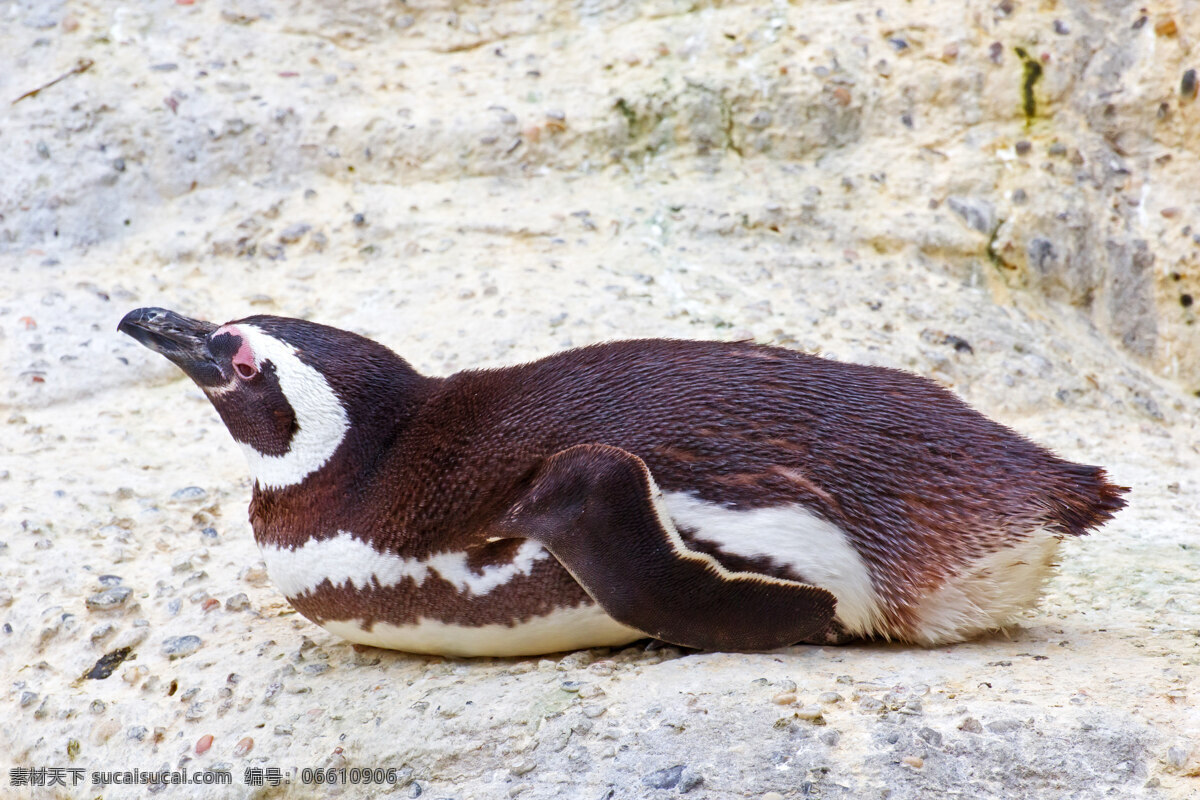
[(294, 233), (689, 780), (237, 602), (180, 646), (1003, 725), (1177, 757), (977, 213), (970, 725), (210, 604), (1165, 26), (1188, 85), (109, 599), (871, 705), (204, 743), (811, 714), (136, 733), (930, 735), (189, 494), (1061, 28), (830, 697), (664, 778), (1023, 147), (359, 220), (784, 698), (27, 699), (108, 662), (916, 762), (522, 766), (255, 576), (132, 675), (831, 738), (243, 747), (772, 796)]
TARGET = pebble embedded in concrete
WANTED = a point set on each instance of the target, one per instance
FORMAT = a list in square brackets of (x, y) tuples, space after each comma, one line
[(180, 646)]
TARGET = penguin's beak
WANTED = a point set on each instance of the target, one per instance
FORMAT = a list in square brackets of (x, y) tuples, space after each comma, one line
[(182, 340)]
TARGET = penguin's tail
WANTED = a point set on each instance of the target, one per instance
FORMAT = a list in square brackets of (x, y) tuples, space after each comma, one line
[(1083, 499)]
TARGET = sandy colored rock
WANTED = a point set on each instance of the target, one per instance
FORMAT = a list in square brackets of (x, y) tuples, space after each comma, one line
[(998, 196)]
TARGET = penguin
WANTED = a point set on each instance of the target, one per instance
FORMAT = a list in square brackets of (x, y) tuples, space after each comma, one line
[(721, 496)]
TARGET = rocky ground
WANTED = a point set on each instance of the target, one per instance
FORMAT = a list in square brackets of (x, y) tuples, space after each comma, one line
[(1000, 197)]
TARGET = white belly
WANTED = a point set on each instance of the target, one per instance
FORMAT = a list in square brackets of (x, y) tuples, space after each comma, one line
[(989, 593), (563, 629)]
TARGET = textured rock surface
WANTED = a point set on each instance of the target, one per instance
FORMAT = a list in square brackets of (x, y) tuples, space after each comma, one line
[(998, 196)]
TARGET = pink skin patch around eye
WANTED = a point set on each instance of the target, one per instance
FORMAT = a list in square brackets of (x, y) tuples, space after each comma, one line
[(243, 360)]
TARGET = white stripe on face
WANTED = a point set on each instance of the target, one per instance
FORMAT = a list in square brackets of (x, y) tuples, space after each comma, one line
[(321, 420), (346, 560)]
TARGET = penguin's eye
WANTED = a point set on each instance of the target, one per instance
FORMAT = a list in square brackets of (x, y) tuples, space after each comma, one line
[(246, 371)]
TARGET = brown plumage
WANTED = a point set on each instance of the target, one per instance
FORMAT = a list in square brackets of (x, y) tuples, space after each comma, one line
[(920, 485)]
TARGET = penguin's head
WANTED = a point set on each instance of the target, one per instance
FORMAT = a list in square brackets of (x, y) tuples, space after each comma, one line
[(288, 390)]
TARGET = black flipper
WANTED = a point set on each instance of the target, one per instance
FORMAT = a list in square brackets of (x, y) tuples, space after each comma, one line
[(598, 511)]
